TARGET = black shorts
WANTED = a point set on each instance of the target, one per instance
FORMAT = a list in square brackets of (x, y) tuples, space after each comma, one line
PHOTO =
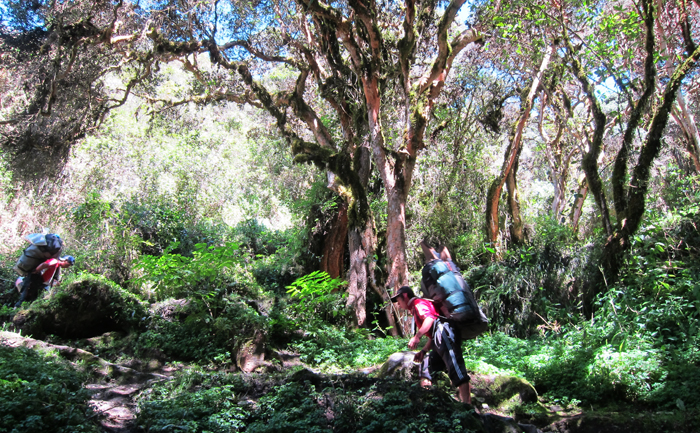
[(446, 355)]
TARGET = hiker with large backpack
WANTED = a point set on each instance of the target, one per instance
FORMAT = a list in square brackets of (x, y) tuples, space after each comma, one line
[(442, 281), (45, 276), (446, 344), (43, 247)]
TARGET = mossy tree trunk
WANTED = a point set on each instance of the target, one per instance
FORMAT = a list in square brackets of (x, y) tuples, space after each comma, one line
[(396, 166), (333, 254), (351, 166), (629, 196), (577, 207), (516, 222), (680, 112), (557, 154), (509, 168)]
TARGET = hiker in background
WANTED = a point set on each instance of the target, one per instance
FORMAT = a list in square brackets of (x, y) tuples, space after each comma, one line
[(446, 344), (45, 276)]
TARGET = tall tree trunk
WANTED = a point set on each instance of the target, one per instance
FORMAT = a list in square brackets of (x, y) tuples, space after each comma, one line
[(690, 137), (358, 274), (396, 236), (350, 171), (577, 207), (516, 225), (512, 153), (333, 256), (397, 268), (618, 244), (361, 240), (395, 166), (558, 158), (681, 115), (590, 158)]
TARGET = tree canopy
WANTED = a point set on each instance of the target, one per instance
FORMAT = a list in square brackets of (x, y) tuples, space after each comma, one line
[(362, 89)]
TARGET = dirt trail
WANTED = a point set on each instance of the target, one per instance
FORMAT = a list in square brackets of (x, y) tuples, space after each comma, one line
[(115, 406), (114, 388), (114, 403)]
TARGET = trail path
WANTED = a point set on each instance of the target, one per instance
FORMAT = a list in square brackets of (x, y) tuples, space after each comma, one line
[(116, 406), (114, 403), (115, 385)]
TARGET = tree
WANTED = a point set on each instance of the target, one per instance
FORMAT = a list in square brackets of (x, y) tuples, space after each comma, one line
[(353, 63), (670, 45), (510, 167), (629, 196)]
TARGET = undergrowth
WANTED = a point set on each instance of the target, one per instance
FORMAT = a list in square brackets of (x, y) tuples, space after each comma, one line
[(41, 393), (298, 401)]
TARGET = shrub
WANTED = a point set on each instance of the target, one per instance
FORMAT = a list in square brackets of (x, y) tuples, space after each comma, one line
[(84, 305), (317, 298), (533, 288), (291, 407), (580, 364), (193, 402), (213, 327), (329, 347), (40, 393), (301, 401), (175, 275)]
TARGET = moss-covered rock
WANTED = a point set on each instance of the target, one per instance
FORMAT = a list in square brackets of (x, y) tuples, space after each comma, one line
[(251, 354), (399, 365), (85, 307), (503, 393)]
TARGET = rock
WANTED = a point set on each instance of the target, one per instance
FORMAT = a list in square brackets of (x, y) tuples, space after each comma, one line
[(399, 365), (501, 424), (171, 309), (306, 375), (88, 307), (251, 355), (530, 428), (502, 392)]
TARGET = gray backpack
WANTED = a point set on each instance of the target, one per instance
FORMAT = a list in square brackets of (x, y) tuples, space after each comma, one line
[(42, 248)]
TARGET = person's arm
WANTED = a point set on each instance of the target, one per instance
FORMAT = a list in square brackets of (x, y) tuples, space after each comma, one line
[(56, 280), (424, 329), (41, 267), (418, 357)]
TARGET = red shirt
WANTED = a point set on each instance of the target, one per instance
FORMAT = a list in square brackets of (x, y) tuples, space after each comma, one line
[(48, 273), (421, 310)]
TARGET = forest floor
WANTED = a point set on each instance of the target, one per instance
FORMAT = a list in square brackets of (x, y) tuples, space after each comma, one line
[(115, 386), (114, 401)]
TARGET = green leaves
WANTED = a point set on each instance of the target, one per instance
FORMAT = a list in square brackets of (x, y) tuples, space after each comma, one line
[(174, 274), (41, 393), (316, 296)]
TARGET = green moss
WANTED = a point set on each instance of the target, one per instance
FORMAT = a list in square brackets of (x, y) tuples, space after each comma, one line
[(84, 306), (40, 393)]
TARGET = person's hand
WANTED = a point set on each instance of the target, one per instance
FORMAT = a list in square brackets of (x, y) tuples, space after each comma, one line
[(413, 342), (418, 357)]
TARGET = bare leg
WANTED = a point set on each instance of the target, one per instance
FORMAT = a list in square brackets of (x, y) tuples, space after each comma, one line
[(425, 383), (465, 392)]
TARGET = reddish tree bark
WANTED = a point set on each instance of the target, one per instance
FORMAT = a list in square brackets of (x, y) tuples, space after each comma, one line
[(510, 160), (333, 258)]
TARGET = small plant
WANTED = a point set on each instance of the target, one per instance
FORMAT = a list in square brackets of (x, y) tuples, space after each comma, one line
[(333, 348), (316, 297), (193, 402), (177, 275), (40, 393)]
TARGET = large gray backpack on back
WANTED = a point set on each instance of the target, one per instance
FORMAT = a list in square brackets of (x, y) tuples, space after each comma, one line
[(443, 283), (42, 247)]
